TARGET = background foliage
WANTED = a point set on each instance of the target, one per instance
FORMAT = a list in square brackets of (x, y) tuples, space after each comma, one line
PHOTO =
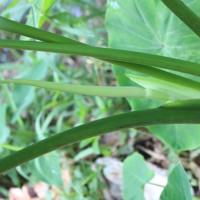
[(29, 114)]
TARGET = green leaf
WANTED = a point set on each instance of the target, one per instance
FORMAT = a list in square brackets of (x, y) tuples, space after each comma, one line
[(84, 153), (139, 26), (47, 168), (178, 187), (15, 10), (149, 26), (38, 12), (196, 198), (179, 137), (4, 129), (135, 175), (10, 147), (46, 5), (38, 71)]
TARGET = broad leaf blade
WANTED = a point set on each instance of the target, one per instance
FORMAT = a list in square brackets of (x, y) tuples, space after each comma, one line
[(135, 174), (179, 137), (148, 26), (47, 168), (178, 187)]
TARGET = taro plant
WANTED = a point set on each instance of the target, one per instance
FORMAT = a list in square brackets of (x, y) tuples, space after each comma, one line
[(151, 70)]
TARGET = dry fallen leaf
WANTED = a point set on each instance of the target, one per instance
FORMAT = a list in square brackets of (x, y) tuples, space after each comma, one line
[(41, 189), (66, 176), (19, 194)]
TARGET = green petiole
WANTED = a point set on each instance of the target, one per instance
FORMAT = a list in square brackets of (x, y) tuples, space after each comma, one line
[(125, 58), (28, 31), (104, 91), (21, 29), (98, 127), (106, 54)]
